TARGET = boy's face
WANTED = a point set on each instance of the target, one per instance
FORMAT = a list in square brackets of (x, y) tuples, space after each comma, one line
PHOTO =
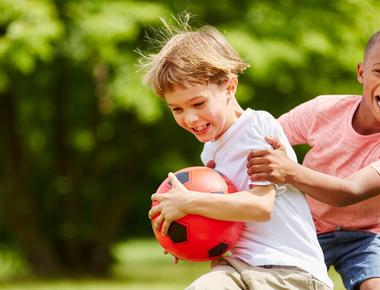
[(206, 111), (369, 77)]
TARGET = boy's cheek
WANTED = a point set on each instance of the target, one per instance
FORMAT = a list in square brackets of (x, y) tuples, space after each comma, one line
[(181, 124), (177, 120)]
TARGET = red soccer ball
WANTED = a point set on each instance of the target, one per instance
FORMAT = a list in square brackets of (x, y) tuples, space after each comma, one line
[(194, 237)]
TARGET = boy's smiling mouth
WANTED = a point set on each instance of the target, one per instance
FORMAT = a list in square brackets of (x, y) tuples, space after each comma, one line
[(377, 98), (201, 129)]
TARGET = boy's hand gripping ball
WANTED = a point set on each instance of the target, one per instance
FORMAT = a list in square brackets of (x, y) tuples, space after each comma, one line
[(194, 237)]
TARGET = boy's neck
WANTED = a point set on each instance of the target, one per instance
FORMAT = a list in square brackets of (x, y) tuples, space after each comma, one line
[(363, 122), (235, 112), (238, 110)]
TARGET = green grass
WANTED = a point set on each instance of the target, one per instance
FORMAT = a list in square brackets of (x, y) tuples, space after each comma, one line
[(140, 265)]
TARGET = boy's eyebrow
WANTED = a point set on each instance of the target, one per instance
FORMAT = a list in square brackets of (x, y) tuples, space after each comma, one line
[(189, 101)]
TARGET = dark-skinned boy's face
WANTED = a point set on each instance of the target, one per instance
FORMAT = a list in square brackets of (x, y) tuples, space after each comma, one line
[(369, 76)]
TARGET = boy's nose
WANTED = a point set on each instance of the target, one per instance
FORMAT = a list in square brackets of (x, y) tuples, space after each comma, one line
[(190, 118)]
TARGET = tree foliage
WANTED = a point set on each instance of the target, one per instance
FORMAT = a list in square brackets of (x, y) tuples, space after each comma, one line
[(84, 144)]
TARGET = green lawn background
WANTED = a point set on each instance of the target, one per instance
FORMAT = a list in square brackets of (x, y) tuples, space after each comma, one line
[(140, 265)]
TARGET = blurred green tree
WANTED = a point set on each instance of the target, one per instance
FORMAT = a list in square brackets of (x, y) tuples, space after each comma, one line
[(84, 144)]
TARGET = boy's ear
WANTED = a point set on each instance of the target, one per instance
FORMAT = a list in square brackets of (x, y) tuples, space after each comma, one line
[(232, 85), (360, 72)]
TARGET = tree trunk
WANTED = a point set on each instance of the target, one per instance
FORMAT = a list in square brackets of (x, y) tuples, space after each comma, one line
[(70, 247), (19, 208)]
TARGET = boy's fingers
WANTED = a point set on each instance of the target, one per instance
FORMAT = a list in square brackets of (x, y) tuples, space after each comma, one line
[(157, 196), (261, 177), (172, 176), (158, 221), (175, 259), (211, 164), (257, 153), (174, 180), (256, 169), (275, 143), (256, 161), (269, 139), (165, 227), (154, 211)]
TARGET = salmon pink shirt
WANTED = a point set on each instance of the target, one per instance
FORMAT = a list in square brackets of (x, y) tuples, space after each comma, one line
[(325, 123)]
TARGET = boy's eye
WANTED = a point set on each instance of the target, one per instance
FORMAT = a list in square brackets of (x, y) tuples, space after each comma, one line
[(199, 104), (176, 110)]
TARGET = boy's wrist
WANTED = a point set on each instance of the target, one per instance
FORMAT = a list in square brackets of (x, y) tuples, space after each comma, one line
[(292, 172), (190, 204)]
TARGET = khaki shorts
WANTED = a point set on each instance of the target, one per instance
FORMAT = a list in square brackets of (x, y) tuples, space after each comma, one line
[(233, 274)]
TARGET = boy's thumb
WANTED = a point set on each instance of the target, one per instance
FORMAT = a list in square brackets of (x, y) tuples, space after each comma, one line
[(173, 179), (274, 142)]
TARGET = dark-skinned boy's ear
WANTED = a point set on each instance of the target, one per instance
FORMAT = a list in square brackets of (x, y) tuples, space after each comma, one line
[(360, 71)]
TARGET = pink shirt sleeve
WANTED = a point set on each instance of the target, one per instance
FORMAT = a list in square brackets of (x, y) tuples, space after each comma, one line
[(376, 165), (297, 122)]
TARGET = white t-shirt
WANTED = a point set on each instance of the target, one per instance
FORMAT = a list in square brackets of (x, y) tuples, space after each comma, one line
[(289, 238)]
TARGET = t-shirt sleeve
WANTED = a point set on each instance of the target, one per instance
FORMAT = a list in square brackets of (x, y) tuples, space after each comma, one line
[(376, 165), (267, 125), (298, 122)]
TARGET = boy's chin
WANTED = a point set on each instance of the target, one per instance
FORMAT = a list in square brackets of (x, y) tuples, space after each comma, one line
[(203, 139)]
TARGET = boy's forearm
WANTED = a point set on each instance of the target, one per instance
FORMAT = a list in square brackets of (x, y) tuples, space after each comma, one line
[(329, 189), (254, 205)]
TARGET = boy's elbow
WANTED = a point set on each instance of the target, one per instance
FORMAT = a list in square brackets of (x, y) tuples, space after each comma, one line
[(349, 195), (267, 213), (263, 213), (342, 203), (260, 205), (348, 200)]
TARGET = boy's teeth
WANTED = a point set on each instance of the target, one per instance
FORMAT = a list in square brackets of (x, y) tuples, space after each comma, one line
[(200, 128)]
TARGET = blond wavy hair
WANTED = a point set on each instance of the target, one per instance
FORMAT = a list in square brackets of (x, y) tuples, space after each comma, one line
[(189, 57)]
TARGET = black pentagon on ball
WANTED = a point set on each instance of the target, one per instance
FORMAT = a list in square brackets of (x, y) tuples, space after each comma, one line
[(218, 250), (183, 177), (177, 232)]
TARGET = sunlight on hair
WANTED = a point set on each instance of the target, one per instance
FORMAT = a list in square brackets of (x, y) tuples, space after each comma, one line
[(188, 57)]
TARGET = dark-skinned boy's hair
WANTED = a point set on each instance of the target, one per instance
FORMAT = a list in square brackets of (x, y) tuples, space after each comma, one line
[(371, 43)]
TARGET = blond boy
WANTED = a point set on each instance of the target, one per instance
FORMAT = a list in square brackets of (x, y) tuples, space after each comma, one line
[(195, 73)]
